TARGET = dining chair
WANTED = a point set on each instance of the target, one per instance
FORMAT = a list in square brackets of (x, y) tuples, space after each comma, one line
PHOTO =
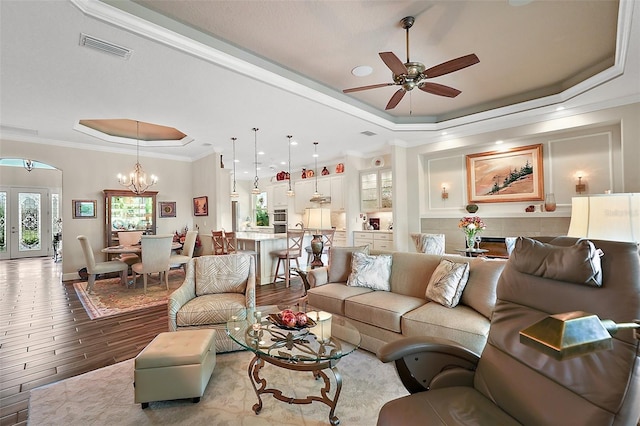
[(188, 247), (129, 238), (327, 240), (156, 251), (218, 242), (95, 268), (292, 252)]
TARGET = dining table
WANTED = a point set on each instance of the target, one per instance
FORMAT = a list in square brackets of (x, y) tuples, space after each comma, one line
[(134, 248)]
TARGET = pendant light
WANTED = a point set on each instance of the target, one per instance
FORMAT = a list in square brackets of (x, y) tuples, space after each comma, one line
[(255, 189), (290, 192), (316, 194), (234, 193), (137, 179)]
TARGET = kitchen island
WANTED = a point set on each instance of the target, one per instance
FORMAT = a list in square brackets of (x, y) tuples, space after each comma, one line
[(263, 244)]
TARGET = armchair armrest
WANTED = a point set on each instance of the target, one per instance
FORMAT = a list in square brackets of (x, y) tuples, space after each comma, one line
[(182, 295), (425, 362), (318, 276)]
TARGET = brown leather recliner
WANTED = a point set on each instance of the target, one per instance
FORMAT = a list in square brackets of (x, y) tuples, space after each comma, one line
[(514, 384)]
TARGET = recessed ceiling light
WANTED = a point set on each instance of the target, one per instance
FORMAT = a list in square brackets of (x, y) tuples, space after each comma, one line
[(261, 153), (444, 133), (499, 142), (560, 108), (362, 71)]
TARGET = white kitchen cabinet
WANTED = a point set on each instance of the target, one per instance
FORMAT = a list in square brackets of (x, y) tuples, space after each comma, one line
[(376, 240), (376, 190), (340, 239), (337, 193), (279, 199), (304, 191)]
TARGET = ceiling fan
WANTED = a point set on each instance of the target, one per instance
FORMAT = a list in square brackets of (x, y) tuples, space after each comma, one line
[(415, 74)]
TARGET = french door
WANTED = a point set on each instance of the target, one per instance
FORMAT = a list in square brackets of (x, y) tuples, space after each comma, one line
[(25, 222)]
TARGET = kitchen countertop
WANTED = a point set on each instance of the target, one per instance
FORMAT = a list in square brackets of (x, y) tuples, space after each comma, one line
[(259, 236)]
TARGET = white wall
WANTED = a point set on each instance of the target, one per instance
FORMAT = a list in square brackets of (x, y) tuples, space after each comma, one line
[(615, 167)]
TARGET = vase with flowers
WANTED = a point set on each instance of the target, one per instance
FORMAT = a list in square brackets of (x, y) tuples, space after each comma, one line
[(471, 226)]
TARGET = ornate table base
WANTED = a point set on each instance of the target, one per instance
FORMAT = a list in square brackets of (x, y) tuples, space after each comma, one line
[(260, 384)]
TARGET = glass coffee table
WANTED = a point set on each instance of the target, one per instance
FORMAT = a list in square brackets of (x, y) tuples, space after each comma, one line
[(316, 349)]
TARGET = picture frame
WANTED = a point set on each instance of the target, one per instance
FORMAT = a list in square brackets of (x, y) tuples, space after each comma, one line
[(506, 176), (201, 206), (167, 208), (84, 209)]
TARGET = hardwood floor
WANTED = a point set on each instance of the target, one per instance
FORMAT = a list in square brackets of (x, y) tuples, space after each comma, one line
[(46, 335)]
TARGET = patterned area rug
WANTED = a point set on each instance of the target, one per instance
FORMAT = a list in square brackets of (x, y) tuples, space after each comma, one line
[(106, 397), (110, 298)]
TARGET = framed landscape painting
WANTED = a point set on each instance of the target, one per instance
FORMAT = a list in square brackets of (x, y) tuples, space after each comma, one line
[(502, 176)]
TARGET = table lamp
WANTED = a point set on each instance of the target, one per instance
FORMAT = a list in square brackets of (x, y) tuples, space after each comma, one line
[(572, 334), (317, 219)]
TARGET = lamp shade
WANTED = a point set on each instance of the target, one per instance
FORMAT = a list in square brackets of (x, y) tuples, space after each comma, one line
[(317, 218), (613, 217)]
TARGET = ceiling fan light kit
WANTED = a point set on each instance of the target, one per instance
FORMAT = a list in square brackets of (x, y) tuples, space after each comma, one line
[(410, 75)]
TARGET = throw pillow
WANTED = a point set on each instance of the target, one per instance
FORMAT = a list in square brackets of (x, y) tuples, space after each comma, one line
[(579, 263), (340, 262), (370, 271), (447, 283)]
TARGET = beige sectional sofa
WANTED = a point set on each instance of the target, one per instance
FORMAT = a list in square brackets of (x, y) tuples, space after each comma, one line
[(384, 316)]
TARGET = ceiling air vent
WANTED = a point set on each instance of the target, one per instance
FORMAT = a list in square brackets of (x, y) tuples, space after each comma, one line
[(105, 46), (368, 133)]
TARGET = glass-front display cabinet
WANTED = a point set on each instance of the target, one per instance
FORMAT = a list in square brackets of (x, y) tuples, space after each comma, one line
[(126, 211)]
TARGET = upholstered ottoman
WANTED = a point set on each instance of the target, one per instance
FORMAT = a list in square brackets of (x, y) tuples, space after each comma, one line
[(175, 365)]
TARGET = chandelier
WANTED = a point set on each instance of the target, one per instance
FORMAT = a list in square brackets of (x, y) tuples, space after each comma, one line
[(137, 179)]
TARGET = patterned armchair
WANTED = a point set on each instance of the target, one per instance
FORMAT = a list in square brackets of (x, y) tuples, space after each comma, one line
[(215, 288)]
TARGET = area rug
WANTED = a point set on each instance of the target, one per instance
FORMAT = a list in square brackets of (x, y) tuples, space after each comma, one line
[(110, 298), (106, 397)]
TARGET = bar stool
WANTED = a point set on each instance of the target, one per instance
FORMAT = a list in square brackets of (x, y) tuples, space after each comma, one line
[(218, 242), (293, 252)]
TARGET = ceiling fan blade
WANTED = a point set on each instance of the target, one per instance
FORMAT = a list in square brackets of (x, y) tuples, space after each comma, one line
[(452, 65), (394, 63), (373, 86), (439, 89), (395, 99)]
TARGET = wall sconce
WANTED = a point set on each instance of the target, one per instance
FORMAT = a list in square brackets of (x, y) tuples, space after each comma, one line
[(580, 187), (445, 194)]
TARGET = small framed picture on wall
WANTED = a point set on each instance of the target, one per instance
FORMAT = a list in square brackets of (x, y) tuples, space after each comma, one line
[(84, 209), (201, 206), (167, 208)]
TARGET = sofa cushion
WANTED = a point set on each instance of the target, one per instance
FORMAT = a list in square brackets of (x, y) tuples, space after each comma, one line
[(330, 297), (380, 308), (480, 291), (221, 274), (447, 282), (340, 262), (579, 263), (370, 271), (210, 309), (461, 324)]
